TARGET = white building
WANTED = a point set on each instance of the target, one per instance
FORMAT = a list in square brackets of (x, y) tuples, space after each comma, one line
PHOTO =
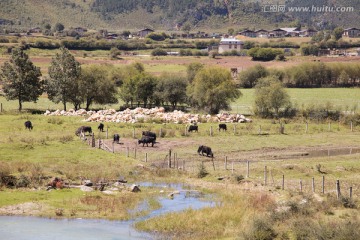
[(230, 44)]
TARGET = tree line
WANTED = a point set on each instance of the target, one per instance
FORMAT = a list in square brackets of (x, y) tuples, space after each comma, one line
[(209, 89), (306, 75)]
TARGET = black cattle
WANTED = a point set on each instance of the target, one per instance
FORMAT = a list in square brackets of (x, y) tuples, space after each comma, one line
[(28, 125), (149, 134), (101, 127), (207, 150), (83, 129), (146, 140), (222, 126), (193, 128), (116, 138)]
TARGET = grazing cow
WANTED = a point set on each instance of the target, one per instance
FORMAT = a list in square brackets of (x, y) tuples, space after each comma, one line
[(116, 138), (222, 126), (28, 125), (193, 128), (204, 149), (146, 140), (101, 127), (149, 134), (83, 129)]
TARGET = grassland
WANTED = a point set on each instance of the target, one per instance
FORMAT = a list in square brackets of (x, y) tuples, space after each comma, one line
[(51, 149)]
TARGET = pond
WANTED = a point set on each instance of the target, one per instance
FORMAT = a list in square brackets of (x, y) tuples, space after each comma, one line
[(29, 228)]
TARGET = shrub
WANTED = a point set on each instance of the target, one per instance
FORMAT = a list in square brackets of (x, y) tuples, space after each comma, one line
[(264, 54), (158, 52), (261, 229), (202, 171)]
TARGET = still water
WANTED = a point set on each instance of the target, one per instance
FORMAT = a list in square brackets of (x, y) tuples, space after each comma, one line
[(33, 228)]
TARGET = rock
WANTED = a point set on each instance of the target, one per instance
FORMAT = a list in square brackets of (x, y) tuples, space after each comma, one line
[(135, 188), (86, 189), (88, 183), (108, 192)]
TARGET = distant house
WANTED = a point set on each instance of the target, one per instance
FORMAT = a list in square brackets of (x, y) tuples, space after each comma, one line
[(35, 30), (80, 30), (262, 33), (230, 44), (248, 33), (142, 33), (111, 35), (291, 32), (277, 33), (352, 32), (308, 33)]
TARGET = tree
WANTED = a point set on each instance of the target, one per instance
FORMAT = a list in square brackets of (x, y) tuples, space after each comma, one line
[(270, 97), (21, 79), (212, 90), (63, 82), (59, 27), (249, 77), (231, 31), (338, 32), (171, 88), (97, 86), (192, 69), (186, 28)]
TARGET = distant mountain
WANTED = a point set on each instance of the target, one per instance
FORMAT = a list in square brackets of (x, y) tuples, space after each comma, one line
[(170, 15)]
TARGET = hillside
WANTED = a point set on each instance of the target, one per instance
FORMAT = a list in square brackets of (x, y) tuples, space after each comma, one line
[(173, 14)]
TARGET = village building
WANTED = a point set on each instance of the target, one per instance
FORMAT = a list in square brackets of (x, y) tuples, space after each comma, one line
[(308, 33), (262, 33), (352, 32), (291, 32), (248, 33), (230, 44), (142, 33), (277, 33)]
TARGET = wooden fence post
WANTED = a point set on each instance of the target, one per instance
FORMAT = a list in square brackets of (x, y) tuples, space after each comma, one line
[(301, 187), (107, 132), (113, 147), (329, 126), (234, 129), (99, 142), (93, 140), (282, 128), (211, 131), (350, 192), (185, 132), (1, 108), (225, 162), (146, 157), (265, 175), (313, 184), (135, 152), (232, 167), (248, 169), (260, 130), (133, 132), (351, 126), (323, 184), (338, 189), (212, 159), (283, 182), (169, 160), (183, 164), (127, 151), (160, 133)]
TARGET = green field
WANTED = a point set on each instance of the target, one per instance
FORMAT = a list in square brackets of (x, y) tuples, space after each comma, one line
[(344, 99)]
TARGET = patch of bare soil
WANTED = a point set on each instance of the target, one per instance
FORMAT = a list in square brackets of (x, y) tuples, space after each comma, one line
[(27, 209)]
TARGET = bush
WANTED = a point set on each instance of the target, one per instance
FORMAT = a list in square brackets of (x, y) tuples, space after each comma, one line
[(261, 229), (158, 52), (264, 54), (202, 171)]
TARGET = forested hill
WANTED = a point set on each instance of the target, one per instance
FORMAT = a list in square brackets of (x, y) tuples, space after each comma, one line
[(173, 14)]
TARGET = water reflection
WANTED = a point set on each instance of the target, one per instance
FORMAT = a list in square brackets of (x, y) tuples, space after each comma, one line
[(31, 228)]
